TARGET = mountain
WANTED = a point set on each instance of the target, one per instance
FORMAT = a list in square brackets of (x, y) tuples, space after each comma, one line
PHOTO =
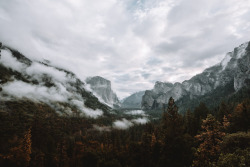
[(133, 101), (229, 76), (102, 89), (24, 79)]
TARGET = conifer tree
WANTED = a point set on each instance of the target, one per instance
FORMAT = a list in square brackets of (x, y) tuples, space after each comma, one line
[(172, 121), (190, 123), (175, 143), (241, 116), (223, 111), (211, 138), (20, 154)]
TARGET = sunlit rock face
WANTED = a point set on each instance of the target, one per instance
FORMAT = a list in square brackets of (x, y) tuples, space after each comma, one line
[(102, 88), (235, 67)]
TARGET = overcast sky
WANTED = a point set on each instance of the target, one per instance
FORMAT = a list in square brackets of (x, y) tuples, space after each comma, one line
[(132, 43)]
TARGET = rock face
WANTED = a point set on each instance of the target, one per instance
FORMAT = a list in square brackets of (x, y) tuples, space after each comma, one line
[(102, 88), (242, 77), (157, 97), (133, 101), (235, 67)]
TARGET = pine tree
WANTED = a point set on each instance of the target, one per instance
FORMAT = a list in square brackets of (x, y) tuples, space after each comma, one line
[(241, 116), (27, 146), (62, 157), (175, 142), (223, 111), (211, 138), (190, 123), (20, 154), (172, 121)]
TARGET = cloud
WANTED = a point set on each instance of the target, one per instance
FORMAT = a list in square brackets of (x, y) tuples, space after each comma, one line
[(122, 124), (102, 128), (9, 61), (87, 111), (60, 91), (141, 121), (125, 124), (136, 112), (37, 70), (21, 89), (131, 43)]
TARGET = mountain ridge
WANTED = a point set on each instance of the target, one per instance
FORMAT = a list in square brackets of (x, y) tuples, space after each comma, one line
[(233, 68)]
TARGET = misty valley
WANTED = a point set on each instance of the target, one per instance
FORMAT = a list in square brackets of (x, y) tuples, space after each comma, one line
[(51, 117)]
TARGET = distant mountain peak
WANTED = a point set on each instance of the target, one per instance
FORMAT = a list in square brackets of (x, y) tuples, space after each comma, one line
[(102, 89)]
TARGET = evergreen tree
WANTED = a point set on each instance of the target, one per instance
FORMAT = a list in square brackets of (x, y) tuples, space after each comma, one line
[(241, 116), (176, 143), (211, 138), (189, 120), (223, 111), (172, 120), (20, 154)]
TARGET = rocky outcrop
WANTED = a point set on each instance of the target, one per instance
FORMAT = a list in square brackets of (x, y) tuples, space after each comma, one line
[(102, 89), (157, 97), (235, 67), (242, 77)]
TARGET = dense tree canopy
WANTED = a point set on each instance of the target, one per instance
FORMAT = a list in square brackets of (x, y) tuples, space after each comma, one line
[(32, 134)]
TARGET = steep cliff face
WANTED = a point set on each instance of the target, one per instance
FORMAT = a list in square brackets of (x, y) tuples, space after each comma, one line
[(242, 77), (235, 67), (133, 101), (102, 89), (157, 97)]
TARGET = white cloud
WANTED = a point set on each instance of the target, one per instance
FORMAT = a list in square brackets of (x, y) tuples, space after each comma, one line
[(36, 70), (142, 121), (125, 124), (87, 111), (21, 89), (102, 128), (136, 112), (92, 113), (9, 61), (122, 124), (126, 38), (59, 93)]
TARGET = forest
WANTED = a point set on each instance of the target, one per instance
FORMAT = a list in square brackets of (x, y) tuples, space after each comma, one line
[(32, 134)]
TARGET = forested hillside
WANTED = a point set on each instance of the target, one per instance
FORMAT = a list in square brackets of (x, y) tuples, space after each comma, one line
[(32, 134)]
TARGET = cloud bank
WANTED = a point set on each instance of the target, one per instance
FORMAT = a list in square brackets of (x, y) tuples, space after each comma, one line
[(125, 124), (122, 124), (136, 112), (60, 90), (133, 43)]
